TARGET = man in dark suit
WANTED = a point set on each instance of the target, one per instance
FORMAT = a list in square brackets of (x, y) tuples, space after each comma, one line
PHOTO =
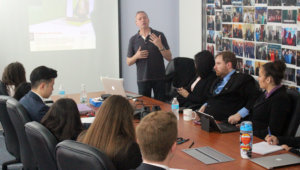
[(156, 135), (42, 81), (232, 93)]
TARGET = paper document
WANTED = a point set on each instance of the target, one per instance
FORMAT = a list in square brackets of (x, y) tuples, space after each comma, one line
[(87, 119), (263, 148)]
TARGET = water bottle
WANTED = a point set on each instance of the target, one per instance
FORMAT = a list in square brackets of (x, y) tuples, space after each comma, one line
[(246, 139), (61, 91), (83, 95), (175, 107)]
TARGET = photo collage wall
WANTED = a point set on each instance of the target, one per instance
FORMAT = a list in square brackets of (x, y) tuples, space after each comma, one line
[(257, 31)]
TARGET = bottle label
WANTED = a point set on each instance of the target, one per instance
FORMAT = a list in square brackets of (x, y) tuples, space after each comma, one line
[(175, 106), (246, 145)]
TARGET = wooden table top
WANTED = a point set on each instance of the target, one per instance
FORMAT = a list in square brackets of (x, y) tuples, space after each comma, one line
[(226, 143)]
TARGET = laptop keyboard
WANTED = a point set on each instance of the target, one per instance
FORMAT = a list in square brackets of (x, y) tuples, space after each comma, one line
[(227, 127)]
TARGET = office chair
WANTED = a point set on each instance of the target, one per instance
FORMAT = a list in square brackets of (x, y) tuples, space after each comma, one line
[(19, 117), (43, 143), (179, 73), (72, 155), (10, 135), (294, 121)]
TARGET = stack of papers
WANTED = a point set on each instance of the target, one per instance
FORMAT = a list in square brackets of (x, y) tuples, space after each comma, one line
[(263, 148)]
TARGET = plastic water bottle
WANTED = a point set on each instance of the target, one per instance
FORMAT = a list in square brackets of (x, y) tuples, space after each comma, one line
[(246, 139), (83, 95), (175, 107), (61, 91)]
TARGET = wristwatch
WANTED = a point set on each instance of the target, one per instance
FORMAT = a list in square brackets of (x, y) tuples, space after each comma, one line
[(162, 49)]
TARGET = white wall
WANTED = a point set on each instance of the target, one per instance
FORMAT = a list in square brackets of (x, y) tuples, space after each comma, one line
[(190, 27), (163, 17), (74, 67)]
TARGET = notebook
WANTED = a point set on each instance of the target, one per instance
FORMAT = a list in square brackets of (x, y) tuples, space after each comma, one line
[(222, 127), (115, 86), (263, 148), (275, 161), (207, 155)]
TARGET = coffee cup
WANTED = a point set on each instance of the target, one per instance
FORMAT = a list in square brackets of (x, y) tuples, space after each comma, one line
[(188, 115)]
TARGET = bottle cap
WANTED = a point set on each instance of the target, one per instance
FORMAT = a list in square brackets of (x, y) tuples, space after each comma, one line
[(246, 127)]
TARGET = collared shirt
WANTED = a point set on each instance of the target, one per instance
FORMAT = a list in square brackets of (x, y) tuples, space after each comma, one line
[(38, 95), (146, 36), (152, 67), (272, 91), (243, 111), (158, 165), (225, 80)]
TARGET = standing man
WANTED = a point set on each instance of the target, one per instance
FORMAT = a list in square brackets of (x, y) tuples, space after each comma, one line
[(148, 48), (42, 81)]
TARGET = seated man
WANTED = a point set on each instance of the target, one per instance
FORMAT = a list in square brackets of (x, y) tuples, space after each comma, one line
[(42, 81), (232, 94), (156, 136)]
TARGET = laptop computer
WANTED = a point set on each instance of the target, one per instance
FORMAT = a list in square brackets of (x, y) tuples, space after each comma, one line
[(210, 121), (274, 161), (115, 86)]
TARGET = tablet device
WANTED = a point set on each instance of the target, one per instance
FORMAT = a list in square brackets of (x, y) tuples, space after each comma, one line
[(210, 121)]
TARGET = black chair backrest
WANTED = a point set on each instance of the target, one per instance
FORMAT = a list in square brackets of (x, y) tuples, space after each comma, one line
[(10, 135), (294, 116), (43, 144), (179, 73), (72, 155), (19, 117)]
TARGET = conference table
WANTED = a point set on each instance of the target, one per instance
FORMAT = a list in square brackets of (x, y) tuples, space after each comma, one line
[(226, 143)]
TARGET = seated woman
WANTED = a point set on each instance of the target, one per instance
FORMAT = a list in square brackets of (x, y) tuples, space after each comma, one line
[(197, 92), (13, 75), (113, 133), (271, 108), (63, 119), (21, 90), (289, 143)]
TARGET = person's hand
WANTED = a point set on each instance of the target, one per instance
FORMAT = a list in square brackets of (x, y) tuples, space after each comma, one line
[(140, 54), (184, 93), (272, 140), (233, 119), (202, 108), (156, 40), (285, 147)]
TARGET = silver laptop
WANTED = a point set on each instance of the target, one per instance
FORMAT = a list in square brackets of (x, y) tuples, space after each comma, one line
[(274, 161), (115, 86)]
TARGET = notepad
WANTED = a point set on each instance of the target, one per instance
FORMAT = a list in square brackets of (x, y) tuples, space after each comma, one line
[(263, 148)]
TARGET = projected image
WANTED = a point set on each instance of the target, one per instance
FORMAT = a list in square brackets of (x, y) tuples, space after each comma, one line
[(68, 28)]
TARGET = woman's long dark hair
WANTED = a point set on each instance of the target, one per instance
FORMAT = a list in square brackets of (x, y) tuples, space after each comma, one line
[(112, 130), (14, 74), (63, 119), (204, 63)]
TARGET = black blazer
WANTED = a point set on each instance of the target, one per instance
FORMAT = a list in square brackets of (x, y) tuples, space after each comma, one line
[(240, 91), (34, 105), (3, 89), (200, 93), (272, 112), (145, 166), (130, 159), (293, 142)]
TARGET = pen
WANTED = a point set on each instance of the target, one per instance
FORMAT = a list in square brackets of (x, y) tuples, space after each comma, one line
[(191, 144), (269, 131)]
